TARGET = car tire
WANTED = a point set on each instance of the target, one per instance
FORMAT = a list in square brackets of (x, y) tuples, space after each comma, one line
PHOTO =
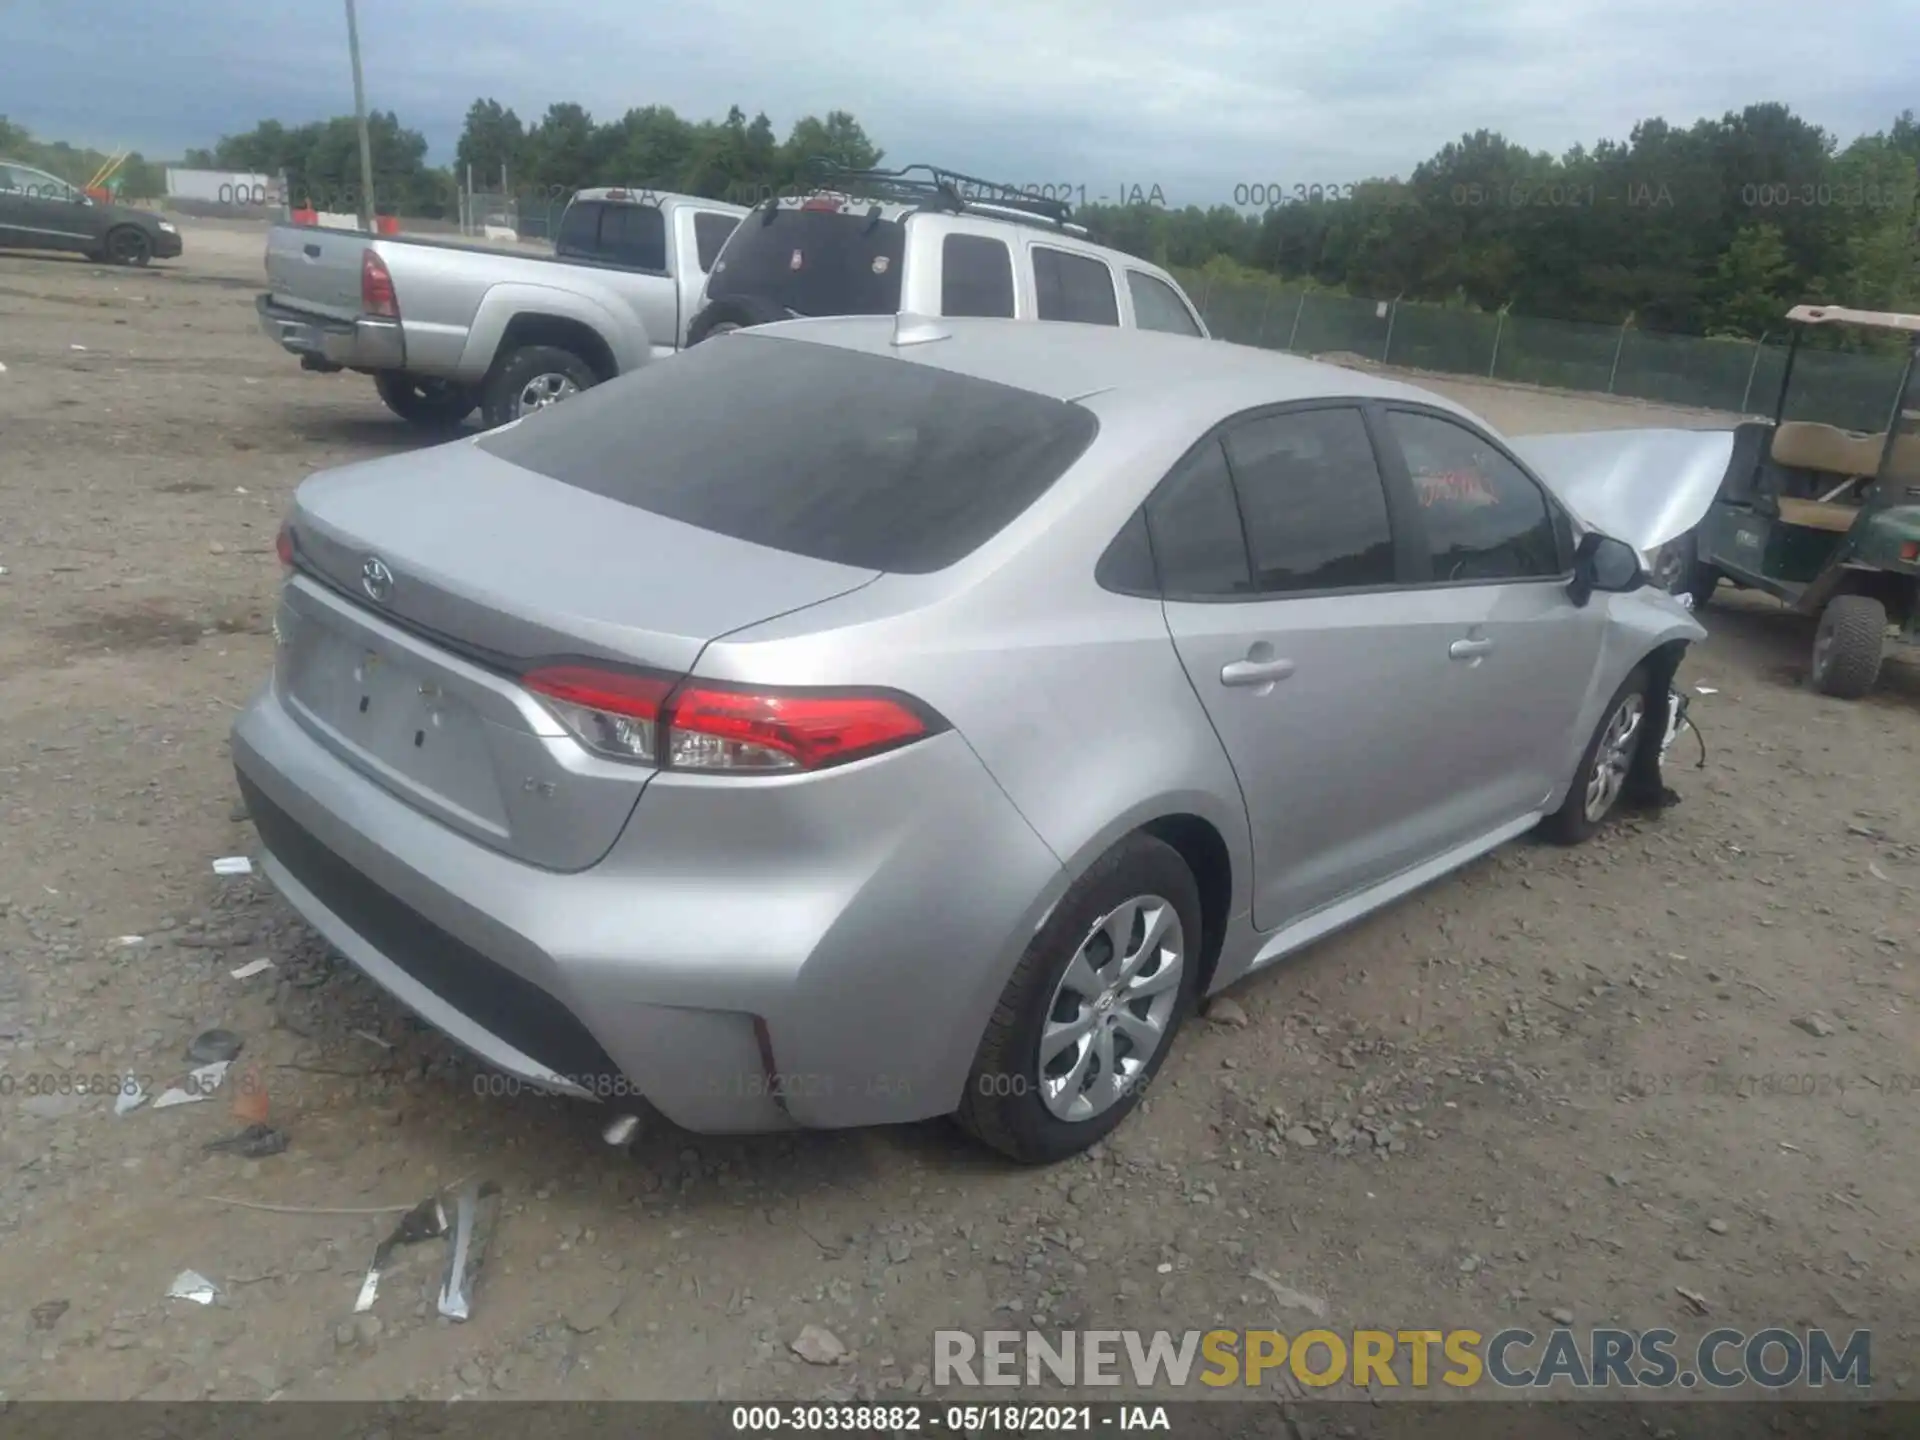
[(741, 312), (532, 378), (1848, 645), (1023, 1106), (127, 245), (427, 404), (1593, 797)]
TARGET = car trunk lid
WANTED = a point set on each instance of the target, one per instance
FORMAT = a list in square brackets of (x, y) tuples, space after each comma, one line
[(428, 582)]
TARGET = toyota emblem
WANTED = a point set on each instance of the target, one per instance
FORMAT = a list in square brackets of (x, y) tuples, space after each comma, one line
[(376, 579)]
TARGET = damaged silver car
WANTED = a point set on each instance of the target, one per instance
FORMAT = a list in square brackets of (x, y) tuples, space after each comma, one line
[(862, 720)]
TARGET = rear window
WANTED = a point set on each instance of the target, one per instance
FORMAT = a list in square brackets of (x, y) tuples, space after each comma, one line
[(1073, 287), (814, 262), (862, 460)]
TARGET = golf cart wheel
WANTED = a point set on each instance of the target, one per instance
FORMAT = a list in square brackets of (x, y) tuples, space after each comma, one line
[(1092, 1008), (1606, 763), (1697, 580), (1848, 645)]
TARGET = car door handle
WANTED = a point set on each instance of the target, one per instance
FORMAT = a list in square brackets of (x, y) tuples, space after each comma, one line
[(1469, 649), (1255, 672)]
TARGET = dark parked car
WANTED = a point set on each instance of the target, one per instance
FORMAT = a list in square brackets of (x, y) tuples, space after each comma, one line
[(39, 211)]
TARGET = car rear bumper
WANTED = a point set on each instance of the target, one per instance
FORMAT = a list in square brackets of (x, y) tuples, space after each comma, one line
[(366, 343), (824, 954)]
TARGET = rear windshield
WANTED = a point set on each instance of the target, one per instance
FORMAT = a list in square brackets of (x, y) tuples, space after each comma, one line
[(814, 262), (863, 460)]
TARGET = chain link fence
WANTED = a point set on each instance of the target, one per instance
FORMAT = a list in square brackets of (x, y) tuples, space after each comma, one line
[(1741, 377)]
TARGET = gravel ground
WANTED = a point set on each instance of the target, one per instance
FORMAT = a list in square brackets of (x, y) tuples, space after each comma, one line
[(1681, 1058)]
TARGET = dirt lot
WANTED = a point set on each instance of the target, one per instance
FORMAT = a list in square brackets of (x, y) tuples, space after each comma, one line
[(1561, 1081)]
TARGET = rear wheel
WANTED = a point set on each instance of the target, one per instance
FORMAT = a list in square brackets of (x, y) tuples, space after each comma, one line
[(128, 245), (429, 404), (1605, 765), (533, 378), (1091, 1010), (1848, 645), (737, 312)]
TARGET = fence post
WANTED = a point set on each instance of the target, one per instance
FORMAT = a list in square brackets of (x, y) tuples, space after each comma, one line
[(1618, 346), (1206, 293), (1298, 310), (1386, 347), (1266, 301), (1759, 347), (1499, 324)]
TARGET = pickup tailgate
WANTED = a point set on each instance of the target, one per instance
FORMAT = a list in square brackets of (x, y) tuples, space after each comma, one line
[(316, 270)]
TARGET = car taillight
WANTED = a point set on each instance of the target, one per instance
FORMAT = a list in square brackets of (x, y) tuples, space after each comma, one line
[(1910, 551), (821, 202), (283, 545), (376, 287), (723, 728)]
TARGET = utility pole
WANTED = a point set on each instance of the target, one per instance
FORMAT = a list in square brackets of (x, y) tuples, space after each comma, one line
[(360, 119)]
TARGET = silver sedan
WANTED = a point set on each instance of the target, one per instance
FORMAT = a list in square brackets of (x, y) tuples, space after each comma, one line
[(860, 720)]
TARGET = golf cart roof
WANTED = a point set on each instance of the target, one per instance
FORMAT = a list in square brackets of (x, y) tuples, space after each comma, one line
[(1840, 315)]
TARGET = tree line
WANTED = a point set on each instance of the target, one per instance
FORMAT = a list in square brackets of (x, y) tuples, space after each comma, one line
[(1715, 228)]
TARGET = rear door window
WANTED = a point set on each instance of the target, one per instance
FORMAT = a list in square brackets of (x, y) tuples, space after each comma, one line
[(813, 262), (1156, 307), (976, 276), (864, 460), (1193, 521), (1073, 287), (1315, 505)]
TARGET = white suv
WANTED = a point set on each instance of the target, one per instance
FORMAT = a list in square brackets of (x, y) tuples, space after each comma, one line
[(884, 242)]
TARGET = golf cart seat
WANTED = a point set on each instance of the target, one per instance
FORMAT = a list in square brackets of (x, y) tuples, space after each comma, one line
[(1828, 515), (1806, 445)]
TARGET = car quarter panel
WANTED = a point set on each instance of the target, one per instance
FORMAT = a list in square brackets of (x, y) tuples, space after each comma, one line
[(1072, 696)]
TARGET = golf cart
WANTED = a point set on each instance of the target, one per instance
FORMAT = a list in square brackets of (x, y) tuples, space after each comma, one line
[(1827, 520)]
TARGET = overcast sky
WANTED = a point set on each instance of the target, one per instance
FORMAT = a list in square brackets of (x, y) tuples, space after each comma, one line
[(1192, 95)]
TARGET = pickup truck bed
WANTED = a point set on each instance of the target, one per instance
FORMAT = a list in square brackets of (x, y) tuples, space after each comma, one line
[(445, 325)]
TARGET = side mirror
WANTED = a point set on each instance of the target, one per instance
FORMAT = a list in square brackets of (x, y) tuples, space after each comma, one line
[(1606, 565)]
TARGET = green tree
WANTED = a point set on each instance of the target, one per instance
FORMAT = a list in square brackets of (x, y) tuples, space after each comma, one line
[(1751, 283)]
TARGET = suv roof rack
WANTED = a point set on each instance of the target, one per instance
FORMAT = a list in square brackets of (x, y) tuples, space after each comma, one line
[(931, 187)]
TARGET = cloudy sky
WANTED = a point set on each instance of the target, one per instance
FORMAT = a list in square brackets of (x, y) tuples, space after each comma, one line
[(1194, 96)]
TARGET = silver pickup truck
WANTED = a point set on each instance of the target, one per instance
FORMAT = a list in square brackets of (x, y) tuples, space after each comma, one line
[(444, 326)]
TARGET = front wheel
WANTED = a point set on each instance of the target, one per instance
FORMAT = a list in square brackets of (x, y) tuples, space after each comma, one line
[(533, 378), (1679, 570), (127, 245), (1848, 645), (429, 404), (1605, 765), (1090, 1012)]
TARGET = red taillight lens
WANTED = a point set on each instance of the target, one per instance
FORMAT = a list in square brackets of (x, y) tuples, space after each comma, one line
[(376, 287), (610, 711), (820, 202), (283, 545), (1910, 551), (720, 728)]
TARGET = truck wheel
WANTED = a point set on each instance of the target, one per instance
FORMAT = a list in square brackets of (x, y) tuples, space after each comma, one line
[(739, 312), (1848, 645), (532, 378), (1091, 1010), (428, 404)]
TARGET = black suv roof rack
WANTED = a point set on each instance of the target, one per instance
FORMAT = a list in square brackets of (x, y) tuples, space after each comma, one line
[(934, 188)]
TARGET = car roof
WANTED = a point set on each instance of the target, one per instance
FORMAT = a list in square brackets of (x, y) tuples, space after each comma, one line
[(1069, 361)]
